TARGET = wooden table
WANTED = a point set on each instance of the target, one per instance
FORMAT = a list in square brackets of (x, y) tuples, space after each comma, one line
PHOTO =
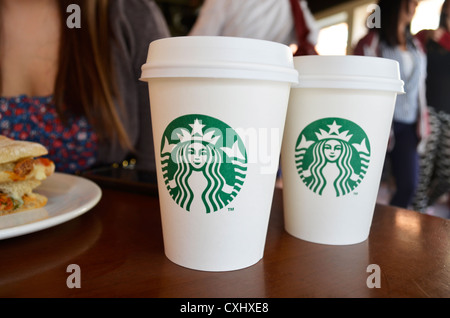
[(119, 250)]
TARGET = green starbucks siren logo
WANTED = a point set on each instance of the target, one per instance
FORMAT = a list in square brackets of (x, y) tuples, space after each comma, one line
[(204, 162), (332, 156)]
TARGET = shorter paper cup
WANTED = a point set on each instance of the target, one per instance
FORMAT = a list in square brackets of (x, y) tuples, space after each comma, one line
[(218, 108), (336, 134)]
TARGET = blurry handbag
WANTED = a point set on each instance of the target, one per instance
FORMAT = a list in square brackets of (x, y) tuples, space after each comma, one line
[(302, 31)]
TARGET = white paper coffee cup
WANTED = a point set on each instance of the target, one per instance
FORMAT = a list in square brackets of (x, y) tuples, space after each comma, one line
[(218, 107), (335, 140)]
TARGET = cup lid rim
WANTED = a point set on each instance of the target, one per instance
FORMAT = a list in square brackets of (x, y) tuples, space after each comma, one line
[(348, 71), (219, 57)]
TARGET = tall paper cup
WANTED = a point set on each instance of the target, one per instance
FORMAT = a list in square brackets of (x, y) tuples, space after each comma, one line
[(218, 107), (335, 141)]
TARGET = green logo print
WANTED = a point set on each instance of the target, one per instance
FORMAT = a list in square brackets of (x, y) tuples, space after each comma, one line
[(332, 156), (202, 159)]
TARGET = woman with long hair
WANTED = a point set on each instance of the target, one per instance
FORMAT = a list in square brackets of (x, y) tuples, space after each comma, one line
[(393, 40), (435, 162), (76, 89)]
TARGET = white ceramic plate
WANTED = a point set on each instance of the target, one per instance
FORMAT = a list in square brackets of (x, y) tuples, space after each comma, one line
[(68, 196)]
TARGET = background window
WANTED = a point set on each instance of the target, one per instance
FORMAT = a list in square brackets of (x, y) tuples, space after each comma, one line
[(343, 26)]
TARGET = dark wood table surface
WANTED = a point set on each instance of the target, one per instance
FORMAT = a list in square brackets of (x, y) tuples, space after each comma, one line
[(118, 247)]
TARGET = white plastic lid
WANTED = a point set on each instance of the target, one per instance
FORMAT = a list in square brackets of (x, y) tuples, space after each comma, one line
[(348, 71), (219, 57)]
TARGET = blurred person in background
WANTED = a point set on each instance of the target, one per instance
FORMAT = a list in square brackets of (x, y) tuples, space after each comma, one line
[(76, 90), (434, 179), (393, 40), (283, 21)]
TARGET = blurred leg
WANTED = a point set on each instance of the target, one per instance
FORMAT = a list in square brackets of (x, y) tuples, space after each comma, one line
[(441, 179), (427, 164), (405, 164)]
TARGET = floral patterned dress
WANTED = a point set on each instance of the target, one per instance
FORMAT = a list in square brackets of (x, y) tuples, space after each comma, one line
[(72, 146)]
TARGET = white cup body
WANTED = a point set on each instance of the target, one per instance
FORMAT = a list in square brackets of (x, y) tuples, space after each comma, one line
[(333, 152), (232, 236), (218, 108)]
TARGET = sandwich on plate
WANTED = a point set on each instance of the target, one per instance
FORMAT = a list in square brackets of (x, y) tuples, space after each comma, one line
[(22, 169)]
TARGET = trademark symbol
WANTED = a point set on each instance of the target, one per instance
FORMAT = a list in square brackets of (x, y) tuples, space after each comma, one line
[(355, 193), (230, 209)]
